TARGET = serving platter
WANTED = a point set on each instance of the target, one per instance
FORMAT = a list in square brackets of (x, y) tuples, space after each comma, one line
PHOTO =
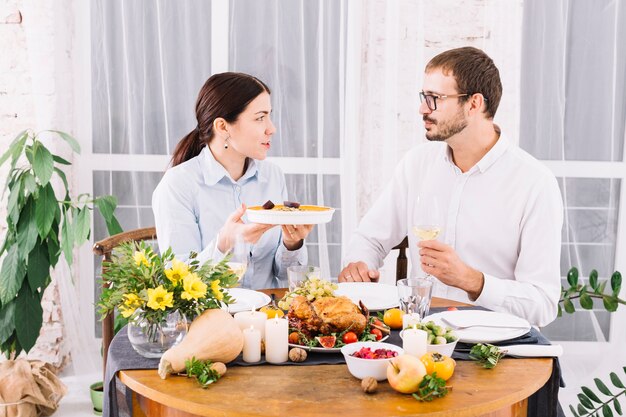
[(307, 214), (246, 300), (327, 350), (482, 326)]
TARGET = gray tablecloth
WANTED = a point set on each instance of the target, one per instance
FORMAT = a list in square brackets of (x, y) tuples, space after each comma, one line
[(544, 403)]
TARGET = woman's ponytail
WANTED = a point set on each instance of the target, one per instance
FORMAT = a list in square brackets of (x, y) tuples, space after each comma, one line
[(189, 147)]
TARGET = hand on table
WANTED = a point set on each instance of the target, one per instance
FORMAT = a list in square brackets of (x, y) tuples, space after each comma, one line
[(234, 226), (358, 272), (442, 262), (294, 235)]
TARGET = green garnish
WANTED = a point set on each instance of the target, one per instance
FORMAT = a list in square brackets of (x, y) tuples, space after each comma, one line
[(431, 387), (485, 354), (202, 371)]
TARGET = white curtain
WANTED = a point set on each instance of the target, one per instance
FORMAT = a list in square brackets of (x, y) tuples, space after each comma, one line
[(574, 109)]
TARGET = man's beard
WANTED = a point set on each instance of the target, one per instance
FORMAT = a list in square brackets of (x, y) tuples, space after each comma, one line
[(446, 129)]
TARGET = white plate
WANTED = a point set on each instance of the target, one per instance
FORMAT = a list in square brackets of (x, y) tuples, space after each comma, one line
[(327, 350), (481, 319), (375, 296), (310, 215), (246, 299)]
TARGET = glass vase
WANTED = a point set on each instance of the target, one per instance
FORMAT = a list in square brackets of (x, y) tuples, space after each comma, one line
[(151, 340)]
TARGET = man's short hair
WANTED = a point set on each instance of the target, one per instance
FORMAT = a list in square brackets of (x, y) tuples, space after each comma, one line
[(474, 72)]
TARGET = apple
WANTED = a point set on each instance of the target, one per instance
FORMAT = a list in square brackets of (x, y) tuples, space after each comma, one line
[(405, 372)]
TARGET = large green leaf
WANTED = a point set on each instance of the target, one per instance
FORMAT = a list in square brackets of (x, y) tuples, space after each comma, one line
[(586, 302), (67, 238), (7, 321), (606, 411), (29, 183), (593, 279), (572, 277), (106, 205), (27, 229), (15, 148), (60, 160), (54, 251), (14, 204), (61, 175), (38, 269), (28, 317), (11, 275), (616, 381), (45, 207), (82, 226), (69, 139), (616, 282), (610, 303), (603, 388), (43, 163), (592, 396)]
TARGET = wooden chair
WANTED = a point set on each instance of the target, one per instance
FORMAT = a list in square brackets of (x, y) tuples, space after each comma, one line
[(104, 248), (401, 262)]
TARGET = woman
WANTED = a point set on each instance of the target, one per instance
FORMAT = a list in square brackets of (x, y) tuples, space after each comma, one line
[(217, 170)]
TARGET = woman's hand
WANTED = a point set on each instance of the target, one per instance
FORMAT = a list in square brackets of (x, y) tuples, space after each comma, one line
[(234, 226), (294, 235)]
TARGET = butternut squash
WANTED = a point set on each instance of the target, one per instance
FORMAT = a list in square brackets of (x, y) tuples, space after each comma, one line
[(214, 335)]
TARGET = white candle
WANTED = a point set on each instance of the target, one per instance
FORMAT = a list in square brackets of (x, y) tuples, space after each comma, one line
[(276, 340), (251, 345), (414, 342), (409, 319), (256, 319)]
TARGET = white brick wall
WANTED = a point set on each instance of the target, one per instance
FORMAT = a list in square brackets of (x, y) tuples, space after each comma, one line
[(33, 64)]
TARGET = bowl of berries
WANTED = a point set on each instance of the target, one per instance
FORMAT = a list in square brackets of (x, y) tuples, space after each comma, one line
[(370, 358)]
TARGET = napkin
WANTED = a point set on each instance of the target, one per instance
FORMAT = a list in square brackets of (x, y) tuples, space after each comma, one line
[(533, 351)]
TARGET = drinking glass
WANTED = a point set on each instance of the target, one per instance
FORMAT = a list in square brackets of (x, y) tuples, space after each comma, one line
[(428, 218), (297, 274), (415, 295), (238, 262)]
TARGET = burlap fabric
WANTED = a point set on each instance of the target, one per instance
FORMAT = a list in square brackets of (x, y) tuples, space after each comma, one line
[(29, 389)]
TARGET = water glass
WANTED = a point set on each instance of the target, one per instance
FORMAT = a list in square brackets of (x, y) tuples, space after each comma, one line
[(297, 274), (415, 295)]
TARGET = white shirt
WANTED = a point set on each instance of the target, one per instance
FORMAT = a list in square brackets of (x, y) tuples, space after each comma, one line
[(503, 217), (193, 201)]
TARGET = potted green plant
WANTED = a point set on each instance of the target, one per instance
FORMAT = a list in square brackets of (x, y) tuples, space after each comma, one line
[(40, 228), (590, 403)]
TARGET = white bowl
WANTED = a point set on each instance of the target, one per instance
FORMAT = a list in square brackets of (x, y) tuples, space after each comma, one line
[(444, 349), (362, 368)]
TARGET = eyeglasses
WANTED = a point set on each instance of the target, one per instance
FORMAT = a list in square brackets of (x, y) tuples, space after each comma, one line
[(431, 99)]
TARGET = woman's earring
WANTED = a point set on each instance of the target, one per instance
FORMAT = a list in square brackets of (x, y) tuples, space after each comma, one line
[(226, 143)]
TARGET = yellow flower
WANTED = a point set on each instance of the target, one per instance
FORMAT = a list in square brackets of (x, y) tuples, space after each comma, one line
[(140, 258), (159, 298), (215, 288), (178, 271), (126, 312), (194, 287), (132, 300)]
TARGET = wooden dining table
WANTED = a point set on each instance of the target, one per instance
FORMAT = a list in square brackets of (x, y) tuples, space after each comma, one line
[(317, 390)]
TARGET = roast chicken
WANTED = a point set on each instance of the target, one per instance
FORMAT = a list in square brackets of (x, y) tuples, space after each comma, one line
[(326, 315)]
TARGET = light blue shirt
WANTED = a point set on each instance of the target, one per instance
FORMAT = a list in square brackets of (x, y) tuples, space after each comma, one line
[(193, 201)]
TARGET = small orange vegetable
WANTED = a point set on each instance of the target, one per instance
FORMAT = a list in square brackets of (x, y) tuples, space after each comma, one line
[(440, 364)]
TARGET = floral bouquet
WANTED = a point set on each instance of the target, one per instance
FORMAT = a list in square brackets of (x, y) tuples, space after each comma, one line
[(147, 286)]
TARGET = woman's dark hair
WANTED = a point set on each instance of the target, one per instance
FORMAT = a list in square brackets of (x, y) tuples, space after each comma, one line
[(224, 95)]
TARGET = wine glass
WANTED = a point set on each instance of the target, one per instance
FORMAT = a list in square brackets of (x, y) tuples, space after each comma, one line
[(239, 254), (428, 219)]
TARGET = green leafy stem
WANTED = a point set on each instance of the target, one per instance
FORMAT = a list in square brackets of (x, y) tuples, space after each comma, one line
[(40, 228), (586, 293), (591, 405), (431, 387)]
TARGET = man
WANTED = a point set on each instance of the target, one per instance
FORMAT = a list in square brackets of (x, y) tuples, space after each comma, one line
[(502, 209)]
